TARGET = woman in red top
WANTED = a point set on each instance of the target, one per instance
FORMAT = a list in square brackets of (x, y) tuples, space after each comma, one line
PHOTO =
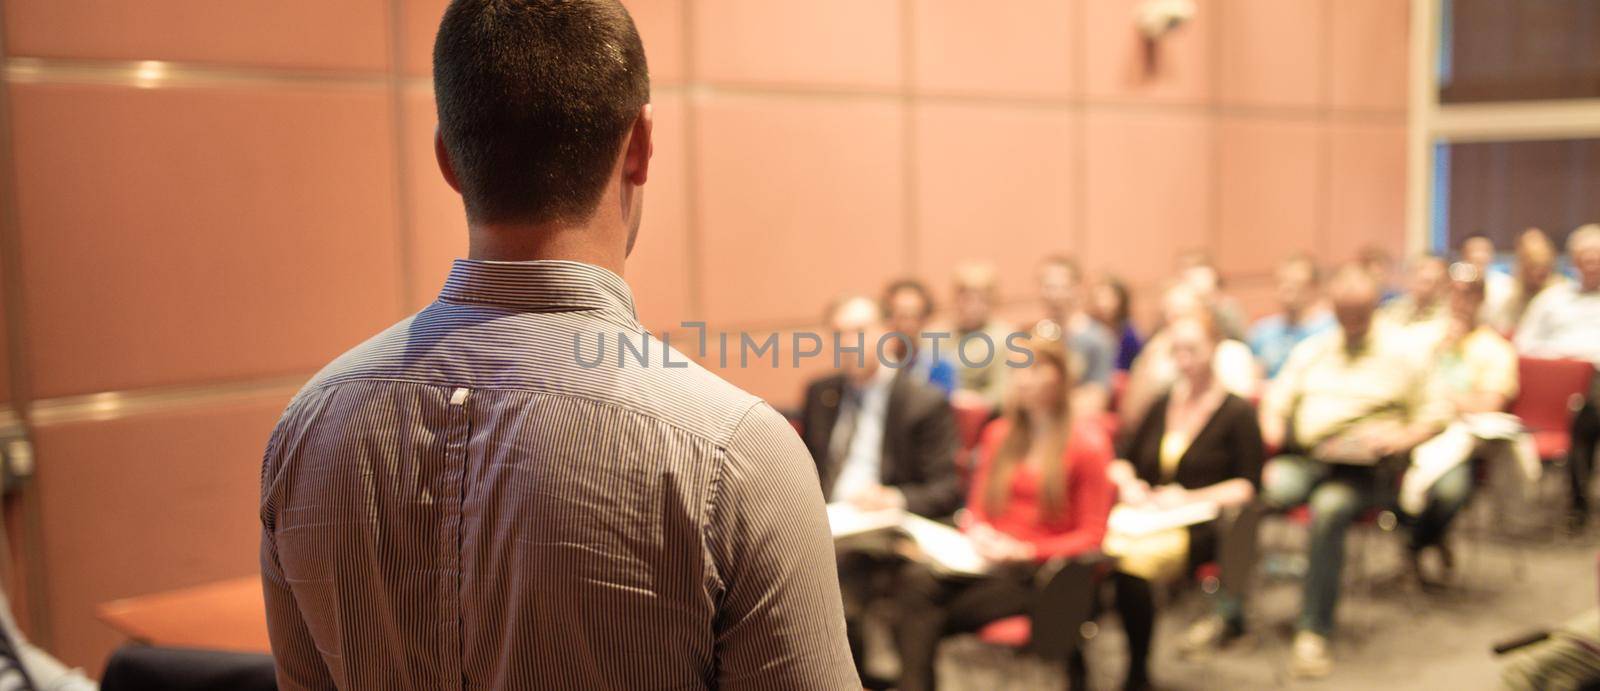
[(1039, 493)]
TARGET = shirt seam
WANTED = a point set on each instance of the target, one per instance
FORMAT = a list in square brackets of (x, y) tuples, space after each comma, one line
[(721, 444)]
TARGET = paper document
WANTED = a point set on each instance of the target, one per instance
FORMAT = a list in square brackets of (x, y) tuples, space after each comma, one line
[(1143, 520), (946, 549), (846, 520)]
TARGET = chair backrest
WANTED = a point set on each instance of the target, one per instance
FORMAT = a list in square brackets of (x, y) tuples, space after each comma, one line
[(1548, 391), (151, 668)]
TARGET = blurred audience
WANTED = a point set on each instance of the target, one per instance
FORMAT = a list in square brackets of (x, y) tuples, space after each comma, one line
[(1475, 370), (980, 341), (908, 306), (24, 667), (1039, 493), (1479, 251), (1301, 315), (1564, 322), (1345, 408), (1156, 369), (1379, 264), (1090, 345), (1197, 443), (1196, 269), (1534, 271), (882, 438), (1110, 304), (1422, 304)]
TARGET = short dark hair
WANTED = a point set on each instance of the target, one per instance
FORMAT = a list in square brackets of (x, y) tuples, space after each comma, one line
[(911, 284), (534, 99)]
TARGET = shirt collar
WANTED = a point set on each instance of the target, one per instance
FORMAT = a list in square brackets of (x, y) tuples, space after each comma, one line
[(545, 285)]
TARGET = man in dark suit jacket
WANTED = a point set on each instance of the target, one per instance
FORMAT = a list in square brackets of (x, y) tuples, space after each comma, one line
[(882, 437)]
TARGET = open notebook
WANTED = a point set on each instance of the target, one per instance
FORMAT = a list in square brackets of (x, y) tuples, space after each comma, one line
[(944, 548)]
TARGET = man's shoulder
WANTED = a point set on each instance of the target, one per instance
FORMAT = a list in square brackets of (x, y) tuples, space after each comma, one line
[(686, 394)]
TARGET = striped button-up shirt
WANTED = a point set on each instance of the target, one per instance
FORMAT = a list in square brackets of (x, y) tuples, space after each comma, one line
[(495, 494)]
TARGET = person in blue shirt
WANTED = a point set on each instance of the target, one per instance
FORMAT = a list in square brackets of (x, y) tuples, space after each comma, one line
[(1110, 304), (907, 305), (1303, 315)]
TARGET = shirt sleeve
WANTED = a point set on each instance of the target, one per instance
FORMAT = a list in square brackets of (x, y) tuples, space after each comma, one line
[(1249, 451), (978, 486), (294, 651), (780, 620), (1530, 337), (1498, 369), (934, 441), (1098, 359), (1090, 498)]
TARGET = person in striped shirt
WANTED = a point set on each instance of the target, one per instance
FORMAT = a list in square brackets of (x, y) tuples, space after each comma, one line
[(519, 487)]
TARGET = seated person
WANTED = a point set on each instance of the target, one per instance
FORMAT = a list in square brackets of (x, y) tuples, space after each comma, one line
[(1476, 370), (1110, 304), (1349, 406), (24, 666), (979, 350), (1156, 370), (1039, 493), (1423, 301), (1564, 322), (1091, 345), (1196, 270), (882, 437), (1533, 272), (1498, 286), (1299, 291), (1198, 442), (907, 305)]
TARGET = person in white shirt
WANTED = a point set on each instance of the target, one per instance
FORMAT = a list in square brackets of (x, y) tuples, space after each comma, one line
[(1564, 322)]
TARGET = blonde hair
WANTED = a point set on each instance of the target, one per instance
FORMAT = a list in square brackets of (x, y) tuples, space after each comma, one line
[(1013, 450)]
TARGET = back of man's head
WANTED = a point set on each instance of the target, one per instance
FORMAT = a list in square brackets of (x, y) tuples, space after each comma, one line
[(535, 98)]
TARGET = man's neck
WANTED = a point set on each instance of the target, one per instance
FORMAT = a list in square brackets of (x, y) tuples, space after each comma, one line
[(516, 243)]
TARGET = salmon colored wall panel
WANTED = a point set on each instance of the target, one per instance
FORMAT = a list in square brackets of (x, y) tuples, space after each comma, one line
[(843, 43), (351, 35), (1270, 52), (1148, 191), (994, 184), (436, 223), (178, 236), (1014, 48), (1369, 62), (1122, 66), (1267, 202), (419, 23), (144, 504), (782, 385), (1366, 190), (659, 269), (799, 199), (660, 25)]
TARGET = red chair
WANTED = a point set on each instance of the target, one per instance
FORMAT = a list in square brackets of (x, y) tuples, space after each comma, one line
[(1054, 626), (1552, 390)]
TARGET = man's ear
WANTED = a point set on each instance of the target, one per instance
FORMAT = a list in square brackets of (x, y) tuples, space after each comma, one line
[(636, 161), (443, 156)]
